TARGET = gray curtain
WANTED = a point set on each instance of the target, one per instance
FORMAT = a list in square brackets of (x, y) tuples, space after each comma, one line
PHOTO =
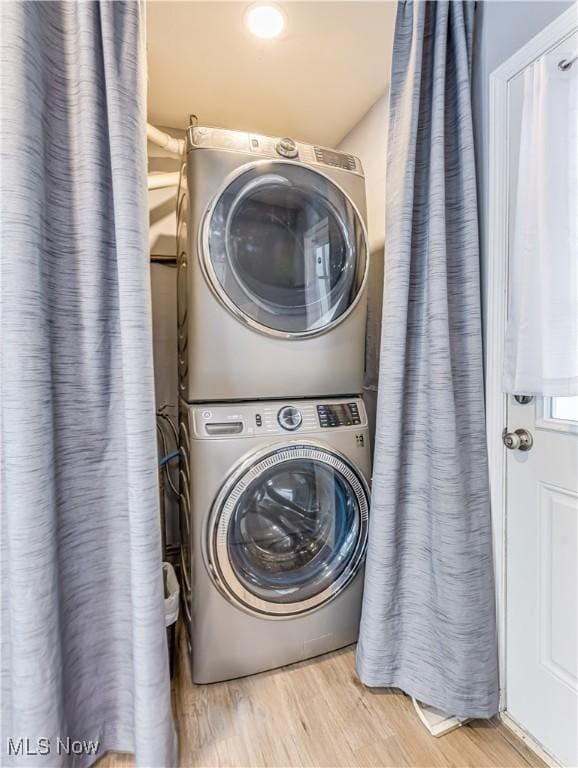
[(428, 622), (83, 640)]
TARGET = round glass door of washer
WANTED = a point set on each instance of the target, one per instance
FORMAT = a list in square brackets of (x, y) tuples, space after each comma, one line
[(285, 249), (289, 533)]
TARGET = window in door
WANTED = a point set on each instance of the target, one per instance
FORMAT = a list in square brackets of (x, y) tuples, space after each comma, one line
[(559, 413)]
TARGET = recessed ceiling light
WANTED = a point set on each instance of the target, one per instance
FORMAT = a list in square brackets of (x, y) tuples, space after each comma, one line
[(265, 20)]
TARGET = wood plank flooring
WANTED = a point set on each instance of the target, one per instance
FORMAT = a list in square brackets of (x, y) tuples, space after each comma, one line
[(318, 715)]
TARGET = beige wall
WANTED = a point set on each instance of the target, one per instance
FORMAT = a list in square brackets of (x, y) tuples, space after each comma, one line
[(367, 140), (163, 202), (162, 242)]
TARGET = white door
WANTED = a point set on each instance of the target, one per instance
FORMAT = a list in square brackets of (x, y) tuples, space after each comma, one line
[(541, 577), (541, 522)]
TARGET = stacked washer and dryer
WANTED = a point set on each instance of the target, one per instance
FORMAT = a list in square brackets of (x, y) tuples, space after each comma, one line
[(275, 454)]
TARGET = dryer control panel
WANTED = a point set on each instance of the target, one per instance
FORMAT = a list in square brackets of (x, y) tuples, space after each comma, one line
[(294, 417), (203, 137)]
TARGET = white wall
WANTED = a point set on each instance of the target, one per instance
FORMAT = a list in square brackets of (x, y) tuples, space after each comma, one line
[(367, 140)]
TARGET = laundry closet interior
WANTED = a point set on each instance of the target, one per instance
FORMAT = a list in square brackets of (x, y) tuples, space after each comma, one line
[(265, 237), (267, 164)]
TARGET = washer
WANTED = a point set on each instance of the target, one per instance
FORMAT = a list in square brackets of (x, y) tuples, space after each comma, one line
[(272, 269), (274, 513)]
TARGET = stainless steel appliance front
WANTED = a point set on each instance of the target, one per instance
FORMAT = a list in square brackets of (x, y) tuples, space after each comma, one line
[(275, 532), (272, 270)]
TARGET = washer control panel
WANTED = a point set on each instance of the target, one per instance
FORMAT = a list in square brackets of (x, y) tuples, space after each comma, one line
[(273, 417), (290, 417), (286, 148), (338, 414)]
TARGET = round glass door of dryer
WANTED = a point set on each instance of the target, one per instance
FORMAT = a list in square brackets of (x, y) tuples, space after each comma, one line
[(285, 249), (290, 532)]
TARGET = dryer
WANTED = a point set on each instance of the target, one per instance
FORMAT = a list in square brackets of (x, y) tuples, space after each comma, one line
[(274, 513), (272, 269)]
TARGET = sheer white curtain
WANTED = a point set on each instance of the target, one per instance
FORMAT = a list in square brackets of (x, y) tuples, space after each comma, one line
[(542, 340)]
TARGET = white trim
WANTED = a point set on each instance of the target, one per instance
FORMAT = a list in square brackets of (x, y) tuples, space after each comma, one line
[(496, 306), (496, 401), (528, 740)]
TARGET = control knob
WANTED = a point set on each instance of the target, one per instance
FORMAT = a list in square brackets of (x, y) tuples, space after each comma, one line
[(290, 418), (286, 148)]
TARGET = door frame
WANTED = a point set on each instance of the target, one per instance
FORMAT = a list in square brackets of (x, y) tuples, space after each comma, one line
[(497, 296)]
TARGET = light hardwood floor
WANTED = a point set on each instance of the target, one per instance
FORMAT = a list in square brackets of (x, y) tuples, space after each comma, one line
[(317, 714)]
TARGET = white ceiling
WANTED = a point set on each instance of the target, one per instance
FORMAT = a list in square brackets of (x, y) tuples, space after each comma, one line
[(313, 83)]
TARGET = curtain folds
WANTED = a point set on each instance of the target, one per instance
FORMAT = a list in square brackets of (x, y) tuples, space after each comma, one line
[(83, 640), (428, 620)]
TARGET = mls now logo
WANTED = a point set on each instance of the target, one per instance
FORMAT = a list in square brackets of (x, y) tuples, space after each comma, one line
[(45, 746), (70, 746)]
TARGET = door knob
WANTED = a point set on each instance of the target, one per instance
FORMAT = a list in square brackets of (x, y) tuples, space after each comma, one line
[(520, 440)]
